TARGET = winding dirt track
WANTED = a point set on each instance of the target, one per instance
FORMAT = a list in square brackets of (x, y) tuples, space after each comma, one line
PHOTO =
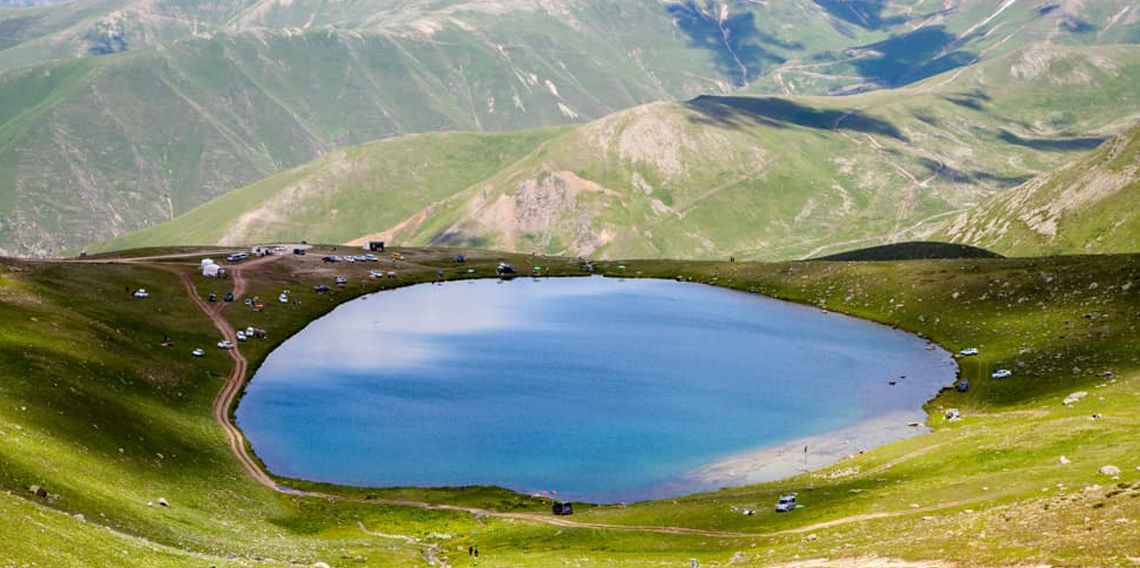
[(236, 380)]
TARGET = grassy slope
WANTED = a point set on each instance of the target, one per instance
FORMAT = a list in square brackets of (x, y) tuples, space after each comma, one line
[(84, 376), (180, 125), (243, 94), (1089, 206), (347, 193), (769, 178)]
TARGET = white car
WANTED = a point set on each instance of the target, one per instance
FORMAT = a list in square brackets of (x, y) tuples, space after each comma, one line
[(141, 293), (240, 335), (224, 344), (786, 503), (968, 352), (1002, 374), (199, 352)]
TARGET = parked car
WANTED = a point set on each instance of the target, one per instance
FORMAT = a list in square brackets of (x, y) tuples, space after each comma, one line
[(786, 503), (370, 257), (212, 297), (224, 344), (1002, 374), (240, 335), (237, 256), (229, 297), (299, 251), (199, 352), (504, 268), (969, 351), (141, 293), (330, 258)]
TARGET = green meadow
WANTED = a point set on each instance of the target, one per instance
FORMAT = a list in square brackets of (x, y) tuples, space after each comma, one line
[(97, 412)]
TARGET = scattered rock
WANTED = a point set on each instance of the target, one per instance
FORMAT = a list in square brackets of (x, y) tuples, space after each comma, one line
[(321, 565), (812, 537), (1074, 397), (1065, 461), (1110, 470), (163, 502), (38, 491), (738, 558), (953, 415)]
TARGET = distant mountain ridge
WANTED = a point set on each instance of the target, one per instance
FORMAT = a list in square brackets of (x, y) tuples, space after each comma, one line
[(754, 177), (145, 109)]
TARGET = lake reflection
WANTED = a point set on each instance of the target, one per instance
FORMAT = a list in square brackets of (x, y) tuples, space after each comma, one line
[(597, 388)]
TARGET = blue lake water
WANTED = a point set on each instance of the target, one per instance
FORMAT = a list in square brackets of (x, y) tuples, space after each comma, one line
[(599, 389)]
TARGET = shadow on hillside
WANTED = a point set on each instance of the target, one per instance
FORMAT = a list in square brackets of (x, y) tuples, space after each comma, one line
[(735, 43), (739, 112), (911, 57), (867, 14), (975, 100), (1084, 143), (1075, 25), (12, 29), (459, 238), (955, 175)]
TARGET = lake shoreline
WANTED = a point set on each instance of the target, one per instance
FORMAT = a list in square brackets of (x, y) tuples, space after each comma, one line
[(786, 459)]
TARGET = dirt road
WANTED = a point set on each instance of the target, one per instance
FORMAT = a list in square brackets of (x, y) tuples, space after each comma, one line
[(235, 381)]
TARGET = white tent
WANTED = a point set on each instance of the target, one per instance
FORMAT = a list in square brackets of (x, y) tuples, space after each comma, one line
[(206, 261), (211, 270)]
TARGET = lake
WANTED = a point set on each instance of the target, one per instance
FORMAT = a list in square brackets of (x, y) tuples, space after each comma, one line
[(597, 389)]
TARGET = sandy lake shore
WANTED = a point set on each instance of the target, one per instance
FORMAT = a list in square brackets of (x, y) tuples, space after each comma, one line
[(788, 459)]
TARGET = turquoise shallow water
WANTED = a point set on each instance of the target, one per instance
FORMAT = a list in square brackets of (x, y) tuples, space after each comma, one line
[(598, 389)]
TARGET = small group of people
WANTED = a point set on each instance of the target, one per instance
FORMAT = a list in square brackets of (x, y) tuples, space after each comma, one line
[(473, 551)]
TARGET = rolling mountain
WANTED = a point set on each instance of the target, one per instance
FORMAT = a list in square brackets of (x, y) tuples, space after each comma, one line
[(754, 177), (1089, 206), (120, 114)]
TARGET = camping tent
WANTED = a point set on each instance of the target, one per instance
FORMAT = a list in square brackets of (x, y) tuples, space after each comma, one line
[(211, 270)]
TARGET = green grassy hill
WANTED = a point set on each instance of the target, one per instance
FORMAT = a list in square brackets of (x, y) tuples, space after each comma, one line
[(361, 189), (1089, 206), (107, 420), (912, 251), (120, 114), (768, 177)]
